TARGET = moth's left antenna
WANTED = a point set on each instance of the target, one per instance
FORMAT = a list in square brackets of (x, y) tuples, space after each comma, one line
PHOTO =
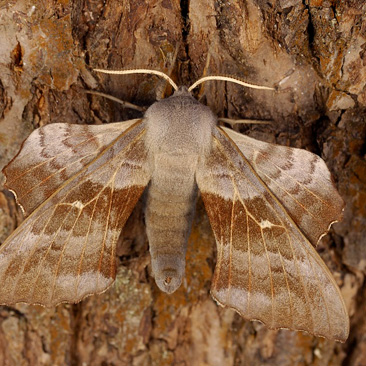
[(140, 71)]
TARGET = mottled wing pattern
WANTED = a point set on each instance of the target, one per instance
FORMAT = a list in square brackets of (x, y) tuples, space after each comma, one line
[(299, 179), (266, 268), (65, 250), (54, 153)]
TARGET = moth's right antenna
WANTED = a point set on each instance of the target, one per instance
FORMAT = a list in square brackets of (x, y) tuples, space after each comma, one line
[(140, 71), (228, 78)]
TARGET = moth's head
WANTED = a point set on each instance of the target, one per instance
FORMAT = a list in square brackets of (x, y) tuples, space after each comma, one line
[(168, 280), (179, 125), (182, 91), (182, 97)]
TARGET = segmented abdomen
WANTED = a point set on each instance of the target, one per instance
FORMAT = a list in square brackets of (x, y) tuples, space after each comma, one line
[(169, 213)]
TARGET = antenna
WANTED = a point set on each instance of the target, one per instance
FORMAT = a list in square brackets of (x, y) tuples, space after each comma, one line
[(140, 71), (228, 78), (174, 85)]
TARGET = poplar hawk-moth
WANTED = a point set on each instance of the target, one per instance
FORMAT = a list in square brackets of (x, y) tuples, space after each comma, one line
[(268, 206)]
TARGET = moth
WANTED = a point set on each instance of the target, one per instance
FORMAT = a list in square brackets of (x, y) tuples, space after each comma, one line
[(268, 206)]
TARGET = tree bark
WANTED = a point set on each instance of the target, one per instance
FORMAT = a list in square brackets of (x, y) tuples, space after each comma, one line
[(314, 49)]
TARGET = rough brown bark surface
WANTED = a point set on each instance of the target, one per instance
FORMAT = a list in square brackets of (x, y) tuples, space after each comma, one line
[(315, 48)]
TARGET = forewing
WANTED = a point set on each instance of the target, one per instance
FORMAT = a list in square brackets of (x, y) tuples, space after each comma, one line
[(299, 179), (65, 250), (54, 153), (266, 269)]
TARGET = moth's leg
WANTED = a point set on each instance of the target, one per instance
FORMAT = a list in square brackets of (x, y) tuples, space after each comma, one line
[(163, 89), (231, 121), (201, 91), (125, 104)]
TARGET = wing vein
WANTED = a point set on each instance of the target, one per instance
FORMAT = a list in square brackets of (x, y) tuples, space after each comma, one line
[(35, 247), (231, 244), (301, 279), (270, 273), (101, 166), (48, 250), (105, 233), (77, 282), (50, 176), (287, 285), (249, 260), (62, 254)]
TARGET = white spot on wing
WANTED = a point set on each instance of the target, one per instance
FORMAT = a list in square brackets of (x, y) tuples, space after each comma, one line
[(265, 224), (78, 205)]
